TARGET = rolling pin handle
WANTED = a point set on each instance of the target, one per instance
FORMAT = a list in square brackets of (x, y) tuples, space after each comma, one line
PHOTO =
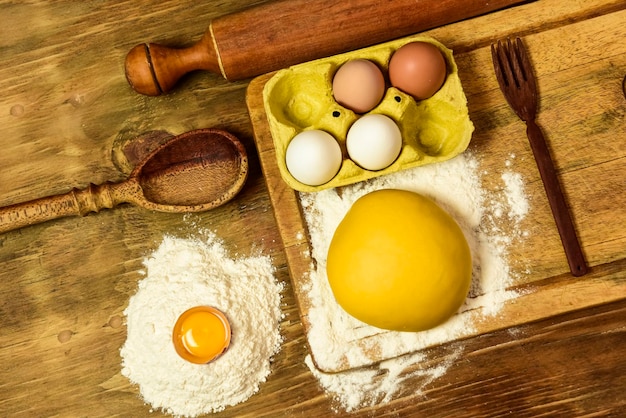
[(154, 69), (139, 71)]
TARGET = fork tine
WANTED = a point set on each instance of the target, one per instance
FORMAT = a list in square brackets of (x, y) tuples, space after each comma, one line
[(523, 65), (511, 68), (498, 64)]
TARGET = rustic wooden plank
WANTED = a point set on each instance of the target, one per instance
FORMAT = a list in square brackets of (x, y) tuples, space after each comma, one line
[(65, 108)]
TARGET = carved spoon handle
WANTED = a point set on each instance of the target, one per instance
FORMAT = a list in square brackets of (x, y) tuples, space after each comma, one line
[(73, 203)]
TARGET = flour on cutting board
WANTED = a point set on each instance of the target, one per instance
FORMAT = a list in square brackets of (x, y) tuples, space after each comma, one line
[(490, 222)]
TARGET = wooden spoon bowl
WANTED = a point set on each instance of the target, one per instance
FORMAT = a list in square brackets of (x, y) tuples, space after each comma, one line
[(193, 172)]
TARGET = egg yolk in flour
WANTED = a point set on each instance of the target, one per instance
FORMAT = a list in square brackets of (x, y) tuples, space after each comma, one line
[(201, 334), (398, 261)]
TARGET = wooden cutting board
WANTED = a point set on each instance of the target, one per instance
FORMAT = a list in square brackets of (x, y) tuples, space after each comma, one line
[(580, 65)]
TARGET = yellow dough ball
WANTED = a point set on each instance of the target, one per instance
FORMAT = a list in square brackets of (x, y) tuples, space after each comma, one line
[(398, 261)]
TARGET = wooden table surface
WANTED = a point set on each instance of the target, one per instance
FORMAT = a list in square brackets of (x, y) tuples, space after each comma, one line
[(66, 111)]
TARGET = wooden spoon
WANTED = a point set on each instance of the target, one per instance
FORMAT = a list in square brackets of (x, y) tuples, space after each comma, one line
[(192, 172)]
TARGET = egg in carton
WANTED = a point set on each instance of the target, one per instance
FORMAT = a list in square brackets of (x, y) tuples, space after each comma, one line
[(300, 98)]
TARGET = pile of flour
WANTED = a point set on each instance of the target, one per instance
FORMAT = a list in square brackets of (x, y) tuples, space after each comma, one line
[(181, 274), (490, 223)]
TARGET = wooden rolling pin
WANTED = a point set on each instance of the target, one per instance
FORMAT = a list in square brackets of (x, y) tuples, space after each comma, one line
[(281, 33)]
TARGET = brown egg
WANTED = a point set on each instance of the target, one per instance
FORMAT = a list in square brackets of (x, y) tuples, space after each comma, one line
[(359, 85), (418, 69)]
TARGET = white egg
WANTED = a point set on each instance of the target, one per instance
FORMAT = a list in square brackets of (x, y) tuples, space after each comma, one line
[(374, 142), (313, 157)]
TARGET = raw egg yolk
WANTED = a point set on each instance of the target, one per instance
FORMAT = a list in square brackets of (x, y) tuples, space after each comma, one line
[(201, 334)]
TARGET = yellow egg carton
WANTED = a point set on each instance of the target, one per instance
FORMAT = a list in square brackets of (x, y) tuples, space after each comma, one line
[(300, 97)]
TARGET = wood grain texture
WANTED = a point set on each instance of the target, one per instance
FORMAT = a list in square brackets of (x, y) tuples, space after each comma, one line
[(66, 110)]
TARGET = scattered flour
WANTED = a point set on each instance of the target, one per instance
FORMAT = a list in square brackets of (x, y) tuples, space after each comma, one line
[(183, 273), (514, 189), (338, 340), (365, 387)]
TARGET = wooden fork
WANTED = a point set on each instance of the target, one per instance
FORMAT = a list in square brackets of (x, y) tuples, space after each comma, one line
[(515, 76)]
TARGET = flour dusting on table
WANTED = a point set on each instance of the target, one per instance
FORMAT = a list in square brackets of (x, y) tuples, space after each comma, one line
[(490, 222), (183, 273)]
